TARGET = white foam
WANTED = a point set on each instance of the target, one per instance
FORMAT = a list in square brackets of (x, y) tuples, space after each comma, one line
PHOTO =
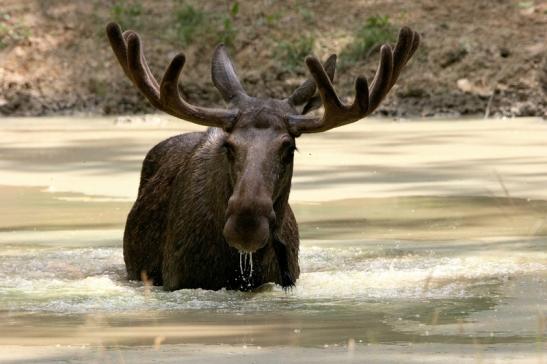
[(79, 280)]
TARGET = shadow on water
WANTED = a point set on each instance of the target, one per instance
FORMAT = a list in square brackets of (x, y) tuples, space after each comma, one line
[(423, 217), (91, 154), (413, 217)]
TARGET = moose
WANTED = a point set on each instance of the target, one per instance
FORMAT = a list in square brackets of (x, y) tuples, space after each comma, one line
[(212, 209)]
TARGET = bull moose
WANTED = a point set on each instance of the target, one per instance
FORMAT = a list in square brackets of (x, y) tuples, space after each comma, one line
[(212, 209)]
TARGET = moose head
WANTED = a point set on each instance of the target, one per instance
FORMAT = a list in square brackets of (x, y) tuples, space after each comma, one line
[(259, 133)]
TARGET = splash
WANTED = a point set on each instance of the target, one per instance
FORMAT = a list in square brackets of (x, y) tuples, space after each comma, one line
[(73, 280)]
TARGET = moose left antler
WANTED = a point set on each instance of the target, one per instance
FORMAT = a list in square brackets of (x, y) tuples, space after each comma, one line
[(336, 112), (165, 96)]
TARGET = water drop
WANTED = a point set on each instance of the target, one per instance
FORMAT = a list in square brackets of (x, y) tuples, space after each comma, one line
[(251, 264)]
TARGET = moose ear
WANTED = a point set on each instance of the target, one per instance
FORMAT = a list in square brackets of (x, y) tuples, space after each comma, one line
[(224, 75)]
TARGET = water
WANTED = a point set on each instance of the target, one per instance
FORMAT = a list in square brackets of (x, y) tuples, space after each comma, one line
[(453, 274), (67, 282)]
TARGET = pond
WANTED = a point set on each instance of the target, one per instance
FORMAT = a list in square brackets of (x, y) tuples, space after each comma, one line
[(453, 273)]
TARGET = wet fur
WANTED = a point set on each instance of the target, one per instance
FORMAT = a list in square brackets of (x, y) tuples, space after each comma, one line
[(174, 234)]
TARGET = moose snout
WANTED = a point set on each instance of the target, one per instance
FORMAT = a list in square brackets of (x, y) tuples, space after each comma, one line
[(247, 226)]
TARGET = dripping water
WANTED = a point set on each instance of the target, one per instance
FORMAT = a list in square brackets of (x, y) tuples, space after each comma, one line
[(243, 256), (251, 264)]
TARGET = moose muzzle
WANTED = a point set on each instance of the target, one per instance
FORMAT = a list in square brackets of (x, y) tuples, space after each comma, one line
[(247, 227)]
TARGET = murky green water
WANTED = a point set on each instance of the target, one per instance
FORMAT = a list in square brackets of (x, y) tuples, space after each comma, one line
[(400, 270)]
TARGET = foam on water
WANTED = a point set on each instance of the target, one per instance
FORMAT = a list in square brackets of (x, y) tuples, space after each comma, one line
[(93, 279)]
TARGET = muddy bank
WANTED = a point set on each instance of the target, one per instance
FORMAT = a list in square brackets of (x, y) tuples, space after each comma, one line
[(477, 57)]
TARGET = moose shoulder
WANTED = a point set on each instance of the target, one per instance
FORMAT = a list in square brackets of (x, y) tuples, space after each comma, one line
[(212, 209)]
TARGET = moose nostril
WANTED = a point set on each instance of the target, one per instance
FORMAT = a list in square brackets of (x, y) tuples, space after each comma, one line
[(247, 222)]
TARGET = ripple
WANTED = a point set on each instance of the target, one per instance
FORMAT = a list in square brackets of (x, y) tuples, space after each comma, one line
[(83, 279)]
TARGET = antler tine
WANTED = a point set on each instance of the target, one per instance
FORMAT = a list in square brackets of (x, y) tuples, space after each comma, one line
[(143, 61), (128, 50), (326, 89), (307, 89), (315, 101), (118, 42), (138, 67), (406, 46), (361, 104), (415, 43), (382, 80), (337, 113), (171, 98)]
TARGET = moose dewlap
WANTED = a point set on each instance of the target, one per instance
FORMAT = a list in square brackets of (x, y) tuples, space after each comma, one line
[(212, 209)]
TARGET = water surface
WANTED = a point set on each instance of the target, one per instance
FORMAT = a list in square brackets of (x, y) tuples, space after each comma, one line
[(444, 272), (69, 286)]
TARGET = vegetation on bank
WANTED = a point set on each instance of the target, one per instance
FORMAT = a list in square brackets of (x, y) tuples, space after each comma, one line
[(12, 32), (193, 24)]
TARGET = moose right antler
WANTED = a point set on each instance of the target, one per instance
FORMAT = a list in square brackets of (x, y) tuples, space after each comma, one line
[(166, 96), (336, 112)]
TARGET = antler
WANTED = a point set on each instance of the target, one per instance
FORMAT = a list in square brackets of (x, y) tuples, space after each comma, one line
[(305, 93), (165, 96), (336, 112)]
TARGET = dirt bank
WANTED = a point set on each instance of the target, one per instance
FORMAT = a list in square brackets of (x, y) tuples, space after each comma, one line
[(477, 56)]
